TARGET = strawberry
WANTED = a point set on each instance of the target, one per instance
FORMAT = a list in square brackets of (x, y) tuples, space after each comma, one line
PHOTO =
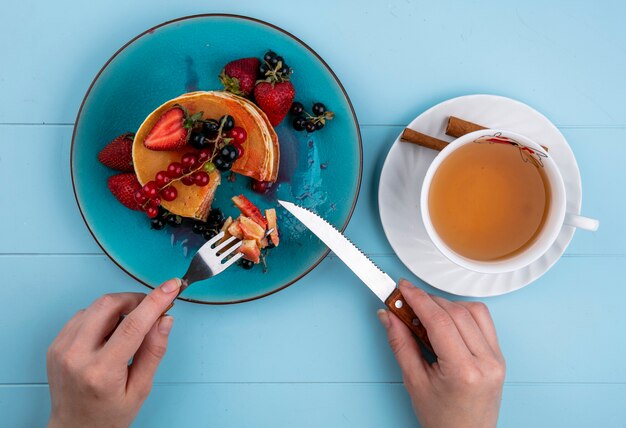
[(248, 209), (118, 154), (250, 250), (274, 93), (123, 186), (274, 99), (270, 215), (239, 76), (172, 130)]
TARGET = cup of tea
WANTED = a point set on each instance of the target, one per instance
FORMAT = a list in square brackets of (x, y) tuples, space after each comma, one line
[(493, 201)]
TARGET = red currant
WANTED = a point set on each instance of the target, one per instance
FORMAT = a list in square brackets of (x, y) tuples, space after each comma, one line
[(204, 155), (151, 189), (162, 179), (189, 160), (187, 180), (239, 150), (152, 212), (201, 178), (154, 202), (261, 186), (175, 170), (140, 197), (169, 193), (238, 134)]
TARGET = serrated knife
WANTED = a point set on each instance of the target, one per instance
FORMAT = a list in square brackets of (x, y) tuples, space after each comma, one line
[(378, 281)]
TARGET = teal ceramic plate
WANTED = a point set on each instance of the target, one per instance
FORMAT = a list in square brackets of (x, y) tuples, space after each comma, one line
[(321, 171)]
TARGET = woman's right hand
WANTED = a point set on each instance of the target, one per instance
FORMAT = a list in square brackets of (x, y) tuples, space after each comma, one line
[(464, 387)]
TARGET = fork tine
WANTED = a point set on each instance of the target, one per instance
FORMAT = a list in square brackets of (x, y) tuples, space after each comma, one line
[(232, 260), (215, 239), (224, 244), (230, 250)]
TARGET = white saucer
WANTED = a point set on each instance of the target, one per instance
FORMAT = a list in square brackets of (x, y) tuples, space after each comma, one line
[(405, 168)]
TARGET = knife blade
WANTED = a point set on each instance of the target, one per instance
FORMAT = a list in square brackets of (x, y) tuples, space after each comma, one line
[(377, 281)]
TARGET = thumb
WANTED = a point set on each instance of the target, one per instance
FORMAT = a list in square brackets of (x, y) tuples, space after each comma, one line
[(149, 356), (403, 345)]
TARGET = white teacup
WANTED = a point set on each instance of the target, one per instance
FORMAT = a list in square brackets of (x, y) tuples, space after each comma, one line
[(557, 216)]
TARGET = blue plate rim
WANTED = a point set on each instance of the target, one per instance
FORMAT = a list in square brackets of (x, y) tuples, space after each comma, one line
[(246, 18)]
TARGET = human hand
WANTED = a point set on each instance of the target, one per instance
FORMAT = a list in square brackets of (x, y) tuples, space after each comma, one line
[(91, 381), (464, 387)]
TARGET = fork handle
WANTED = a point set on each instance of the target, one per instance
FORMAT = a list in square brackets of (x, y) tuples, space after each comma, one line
[(184, 283)]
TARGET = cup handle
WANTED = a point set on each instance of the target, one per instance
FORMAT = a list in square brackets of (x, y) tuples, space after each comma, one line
[(581, 222)]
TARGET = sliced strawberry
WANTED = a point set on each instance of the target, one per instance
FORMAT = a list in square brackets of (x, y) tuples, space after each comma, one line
[(275, 99), (123, 186), (270, 215), (248, 209), (239, 76), (235, 230), (250, 229), (118, 154), (170, 132), (250, 250)]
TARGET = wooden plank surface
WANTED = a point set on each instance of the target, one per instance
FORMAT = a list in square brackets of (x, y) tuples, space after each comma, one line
[(317, 405), (294, 358)]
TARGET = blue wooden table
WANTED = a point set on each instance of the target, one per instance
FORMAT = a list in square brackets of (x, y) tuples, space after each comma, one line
[(294, 359)]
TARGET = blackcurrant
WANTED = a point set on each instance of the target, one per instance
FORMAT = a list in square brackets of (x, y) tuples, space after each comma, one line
[(210, 128), (297, 108), (209, 233), (309, 126), (229, 153), (216, 217), (279, 59), (284, 70), (319, 125), (198, 141), (162, 212), (198, 227), (318, 109), (174, 220), (222, 165), (157, 223), (263, 69), (227, 122), (269, 55), (299, 123), (273, 61), (247, 264)]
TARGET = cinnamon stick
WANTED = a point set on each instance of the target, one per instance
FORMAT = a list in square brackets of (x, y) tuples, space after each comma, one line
[(411, 136), (458, 127)]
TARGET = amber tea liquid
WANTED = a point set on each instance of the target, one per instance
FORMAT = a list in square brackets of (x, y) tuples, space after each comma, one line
[(487, 203)]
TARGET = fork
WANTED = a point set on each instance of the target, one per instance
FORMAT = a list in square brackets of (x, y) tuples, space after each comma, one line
[(210, 261)]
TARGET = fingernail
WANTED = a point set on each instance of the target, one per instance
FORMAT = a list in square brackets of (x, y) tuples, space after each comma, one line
[(383, 316), (165, 324), (170, 285), (405, 284)]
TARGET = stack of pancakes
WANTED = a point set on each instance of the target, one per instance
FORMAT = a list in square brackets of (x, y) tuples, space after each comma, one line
[(259, 161)]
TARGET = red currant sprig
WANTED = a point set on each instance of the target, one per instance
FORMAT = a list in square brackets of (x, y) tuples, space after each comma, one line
[(193, 169)]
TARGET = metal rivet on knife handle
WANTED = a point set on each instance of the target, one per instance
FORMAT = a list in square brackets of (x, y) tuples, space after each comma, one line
[(396, 305)]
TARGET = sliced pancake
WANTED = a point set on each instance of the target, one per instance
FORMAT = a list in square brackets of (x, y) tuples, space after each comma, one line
[(259, 161)]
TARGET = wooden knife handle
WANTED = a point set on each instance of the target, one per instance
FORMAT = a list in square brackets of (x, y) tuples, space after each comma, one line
[(400, 308)]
